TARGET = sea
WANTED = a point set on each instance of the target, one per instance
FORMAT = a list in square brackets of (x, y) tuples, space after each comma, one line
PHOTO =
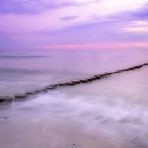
[(106, 113)]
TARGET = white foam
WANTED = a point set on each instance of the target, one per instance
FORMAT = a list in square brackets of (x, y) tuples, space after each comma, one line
[(117, 119)]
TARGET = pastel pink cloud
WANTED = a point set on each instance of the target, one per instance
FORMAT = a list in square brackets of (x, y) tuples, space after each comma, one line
[(102, 45)]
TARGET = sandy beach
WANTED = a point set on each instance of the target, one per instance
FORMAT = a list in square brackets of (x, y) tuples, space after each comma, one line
[(106, 113)]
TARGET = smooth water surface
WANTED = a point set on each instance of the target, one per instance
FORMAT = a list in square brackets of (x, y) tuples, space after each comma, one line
[(21, 71)]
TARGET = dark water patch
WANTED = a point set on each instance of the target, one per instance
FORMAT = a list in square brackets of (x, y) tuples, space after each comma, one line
[(19, 70), (3, 118), (20, 57), (138, 142), (131, 120), (70, 83)]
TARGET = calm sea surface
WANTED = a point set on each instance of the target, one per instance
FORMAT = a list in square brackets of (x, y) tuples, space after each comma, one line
[(26, 70)]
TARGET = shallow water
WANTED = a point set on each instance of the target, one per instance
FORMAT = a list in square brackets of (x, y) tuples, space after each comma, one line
[(111, 113), (22, 71)]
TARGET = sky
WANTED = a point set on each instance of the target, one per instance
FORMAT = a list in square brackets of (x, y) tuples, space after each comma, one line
[(73, 24)]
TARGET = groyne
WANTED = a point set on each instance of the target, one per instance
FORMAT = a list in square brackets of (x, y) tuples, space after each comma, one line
[(70, 83)]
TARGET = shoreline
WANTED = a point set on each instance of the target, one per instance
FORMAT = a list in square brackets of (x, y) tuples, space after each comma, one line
[(7, 99)]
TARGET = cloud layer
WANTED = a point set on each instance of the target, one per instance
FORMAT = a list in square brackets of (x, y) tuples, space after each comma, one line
[(46, 20)]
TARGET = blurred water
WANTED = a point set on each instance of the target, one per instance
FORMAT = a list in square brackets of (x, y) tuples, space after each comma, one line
[(21, 71), (109, 113)]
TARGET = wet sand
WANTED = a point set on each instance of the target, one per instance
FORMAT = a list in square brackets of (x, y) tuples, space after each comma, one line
[(66, 125), (110, 113)]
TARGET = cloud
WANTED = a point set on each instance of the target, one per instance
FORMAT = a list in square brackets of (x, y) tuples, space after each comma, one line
[(137, 27), (35, 6), (101, 45), (51, 19), (74, 21), (142, 13), (69, 18)]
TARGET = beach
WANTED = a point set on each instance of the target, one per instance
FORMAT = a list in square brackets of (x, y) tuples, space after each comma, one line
[(106, 113)]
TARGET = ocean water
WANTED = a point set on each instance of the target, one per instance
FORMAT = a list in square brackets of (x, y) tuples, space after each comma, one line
[(107, 113), (22, 71)]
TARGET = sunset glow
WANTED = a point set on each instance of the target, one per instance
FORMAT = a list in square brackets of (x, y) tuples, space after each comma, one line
[(63, 23), (107, 45)]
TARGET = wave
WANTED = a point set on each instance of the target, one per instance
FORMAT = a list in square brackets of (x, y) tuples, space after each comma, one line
[(70, 83)]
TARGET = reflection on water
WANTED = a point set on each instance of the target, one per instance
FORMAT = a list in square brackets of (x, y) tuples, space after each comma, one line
[(111, 113)]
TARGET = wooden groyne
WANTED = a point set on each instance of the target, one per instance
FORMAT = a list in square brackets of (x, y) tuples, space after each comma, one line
[(70, 83)]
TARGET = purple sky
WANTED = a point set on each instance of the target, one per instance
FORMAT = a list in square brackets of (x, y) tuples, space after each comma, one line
[(70, 24)]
